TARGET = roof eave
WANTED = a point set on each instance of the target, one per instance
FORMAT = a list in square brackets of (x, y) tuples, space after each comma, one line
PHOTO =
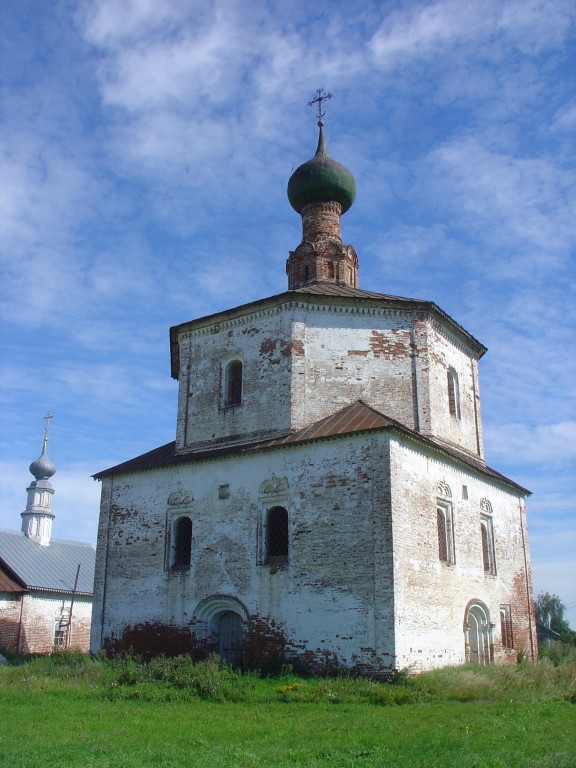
[(301, 294), (454, 455)]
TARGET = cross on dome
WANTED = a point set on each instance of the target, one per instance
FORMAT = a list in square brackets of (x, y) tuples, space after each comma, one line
[(321, 96)]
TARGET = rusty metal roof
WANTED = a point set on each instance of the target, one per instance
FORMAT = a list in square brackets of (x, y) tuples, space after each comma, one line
[(331, 289), (356, 417), (49, 569)]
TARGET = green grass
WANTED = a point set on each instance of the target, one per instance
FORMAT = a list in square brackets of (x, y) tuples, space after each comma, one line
[(72, 712)]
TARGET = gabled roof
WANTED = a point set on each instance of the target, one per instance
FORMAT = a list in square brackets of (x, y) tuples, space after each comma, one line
[(49, 569), (546, 634), (328, 291), (356, 417), (9, 585)]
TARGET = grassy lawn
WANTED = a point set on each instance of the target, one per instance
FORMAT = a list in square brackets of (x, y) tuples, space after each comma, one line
[(100, 715)]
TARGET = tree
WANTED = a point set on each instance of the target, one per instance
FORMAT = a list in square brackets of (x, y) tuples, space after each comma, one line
[(550, 612)]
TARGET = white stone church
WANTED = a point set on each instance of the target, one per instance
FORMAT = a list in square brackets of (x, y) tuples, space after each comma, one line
[(326, 500)]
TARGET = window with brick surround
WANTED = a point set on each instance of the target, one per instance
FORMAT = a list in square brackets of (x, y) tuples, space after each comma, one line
[(453, 393), (182, 549), (233, 383), (445, 526), (276, 536), (506, 626), (60, 627), (487, 534)]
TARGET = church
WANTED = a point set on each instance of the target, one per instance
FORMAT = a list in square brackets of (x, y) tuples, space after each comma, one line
[(45, 582), (326, 501)]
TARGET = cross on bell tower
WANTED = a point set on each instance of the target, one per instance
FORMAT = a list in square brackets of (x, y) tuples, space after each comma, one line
[(321, 96), (321, 190)]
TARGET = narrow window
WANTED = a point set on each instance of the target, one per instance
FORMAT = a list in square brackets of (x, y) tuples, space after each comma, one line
[(445, 525), (233, 381), (506, 626), (182, 542), (331, 269), (487, 534), (453, 393), (306, 272), (60, 626), (277, 535), (442, 547)]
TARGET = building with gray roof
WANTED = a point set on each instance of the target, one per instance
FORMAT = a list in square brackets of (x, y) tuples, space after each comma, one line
[(46, 584)]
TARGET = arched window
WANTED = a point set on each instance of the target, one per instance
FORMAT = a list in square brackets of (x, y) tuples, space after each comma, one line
[(445, 525), (306, 272), (487, 534), (453, 393), (442, 547), (182, 542), (506, 626), (233, 383), (277, 535)]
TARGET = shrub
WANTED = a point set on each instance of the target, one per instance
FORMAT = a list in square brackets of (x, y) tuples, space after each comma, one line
[(558, 653)]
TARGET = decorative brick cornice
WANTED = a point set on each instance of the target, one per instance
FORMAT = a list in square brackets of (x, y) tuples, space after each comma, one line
[(293, 306)]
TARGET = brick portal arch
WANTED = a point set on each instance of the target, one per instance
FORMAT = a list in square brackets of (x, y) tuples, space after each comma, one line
[(224, 618), (479, 646)]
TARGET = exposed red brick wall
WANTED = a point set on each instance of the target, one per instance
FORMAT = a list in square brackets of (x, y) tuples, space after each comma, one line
[(29, 626)]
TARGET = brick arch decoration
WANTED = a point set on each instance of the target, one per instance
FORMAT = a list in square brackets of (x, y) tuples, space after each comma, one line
[(214, 605), (274, 485), (180, 498), (444, 489), (479, 645)]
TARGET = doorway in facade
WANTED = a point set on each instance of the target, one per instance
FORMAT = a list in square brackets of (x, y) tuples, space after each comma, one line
[(478, 634), (230, 638)]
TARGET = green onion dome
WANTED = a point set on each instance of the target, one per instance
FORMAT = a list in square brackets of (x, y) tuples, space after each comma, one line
[(321, 180)]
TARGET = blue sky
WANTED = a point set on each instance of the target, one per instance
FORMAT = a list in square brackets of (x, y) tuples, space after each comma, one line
[(146, 149)]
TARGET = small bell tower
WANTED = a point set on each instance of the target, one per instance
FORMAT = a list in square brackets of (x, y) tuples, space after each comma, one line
[(321, 190), (37, 517)]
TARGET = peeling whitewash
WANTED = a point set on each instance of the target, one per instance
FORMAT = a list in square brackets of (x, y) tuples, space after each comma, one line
[(363, 586)]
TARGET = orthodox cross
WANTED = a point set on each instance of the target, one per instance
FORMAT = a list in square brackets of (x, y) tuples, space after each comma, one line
[(47, 423), (321, 96)]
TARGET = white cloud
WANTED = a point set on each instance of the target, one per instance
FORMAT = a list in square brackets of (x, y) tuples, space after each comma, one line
[(565, 117), (550, 444), (178, 74), (110, 23), (425, 31), (509, 201)]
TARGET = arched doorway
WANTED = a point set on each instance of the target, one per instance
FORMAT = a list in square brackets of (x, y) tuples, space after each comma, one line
[(219, 621), (230, 638), (478, 633)]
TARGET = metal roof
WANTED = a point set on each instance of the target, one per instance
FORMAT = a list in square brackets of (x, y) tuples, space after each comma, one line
[(52, 568), (356, 417), (9, 585)]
